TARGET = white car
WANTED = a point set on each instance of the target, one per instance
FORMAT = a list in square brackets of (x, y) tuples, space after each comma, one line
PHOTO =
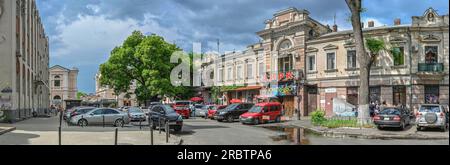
[(431, 116)]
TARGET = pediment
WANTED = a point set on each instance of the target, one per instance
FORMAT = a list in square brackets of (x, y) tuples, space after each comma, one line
[(430, 38), (311, 49), (330, 47)]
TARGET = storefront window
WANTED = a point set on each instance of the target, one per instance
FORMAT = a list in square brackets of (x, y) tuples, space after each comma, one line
[(431, 94), (352, 95), (399, 95), (374, 94)]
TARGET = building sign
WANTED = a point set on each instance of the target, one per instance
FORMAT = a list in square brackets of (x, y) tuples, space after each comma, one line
[(286, 89), (330, 90), (283, 76)]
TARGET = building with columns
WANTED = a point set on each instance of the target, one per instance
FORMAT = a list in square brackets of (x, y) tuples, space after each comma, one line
[(24, 64), (309, 65), (63, 85)]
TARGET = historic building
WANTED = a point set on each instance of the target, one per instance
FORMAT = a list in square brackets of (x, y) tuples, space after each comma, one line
[(106, 95), (24, 69), (307, 65), (63, 85)]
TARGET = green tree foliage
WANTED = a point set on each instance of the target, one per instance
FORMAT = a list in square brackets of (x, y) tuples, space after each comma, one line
[(80, 94), (146, 60)]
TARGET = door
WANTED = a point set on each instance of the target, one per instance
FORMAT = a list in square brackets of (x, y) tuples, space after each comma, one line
[(266, 113), (111, 116), (312, 101), (96, 117), (329, 103), (288, 104)]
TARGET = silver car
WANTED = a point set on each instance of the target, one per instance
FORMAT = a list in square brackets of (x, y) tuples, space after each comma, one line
[(431, 116), (136, 114), (98, 116)]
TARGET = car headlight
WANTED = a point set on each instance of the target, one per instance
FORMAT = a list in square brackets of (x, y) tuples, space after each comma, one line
[(250, 117)]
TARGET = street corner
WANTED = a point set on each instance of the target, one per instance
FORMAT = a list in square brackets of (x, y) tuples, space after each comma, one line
[(4, 130)]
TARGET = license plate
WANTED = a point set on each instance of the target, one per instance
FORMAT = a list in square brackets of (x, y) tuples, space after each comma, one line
[(266, 117), (387, 118)]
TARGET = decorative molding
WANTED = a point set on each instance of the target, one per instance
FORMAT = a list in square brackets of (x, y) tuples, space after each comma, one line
[(430, 38), (330, 47), (311, 49), (397, 39)]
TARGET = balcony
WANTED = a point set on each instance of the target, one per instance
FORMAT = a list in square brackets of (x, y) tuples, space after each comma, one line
[(431, 71), (433, 67)]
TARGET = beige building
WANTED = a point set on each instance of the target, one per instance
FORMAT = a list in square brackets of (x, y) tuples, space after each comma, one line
[(308, 65), (24, 60), (63, 85), (106, 95)]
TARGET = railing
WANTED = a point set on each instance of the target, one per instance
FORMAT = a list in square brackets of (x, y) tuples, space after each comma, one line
[(432, 67)]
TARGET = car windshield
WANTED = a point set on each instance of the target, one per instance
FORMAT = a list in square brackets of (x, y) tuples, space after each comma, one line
[(168, 109), (256, 109), (390, 112), (199, 106), (434, 109), (231, 107), (134, 110)]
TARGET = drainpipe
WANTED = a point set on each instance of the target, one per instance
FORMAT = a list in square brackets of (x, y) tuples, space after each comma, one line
[(408, 32)]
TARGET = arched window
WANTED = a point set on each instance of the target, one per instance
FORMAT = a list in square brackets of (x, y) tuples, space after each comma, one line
[(57, 97), (286, 44)]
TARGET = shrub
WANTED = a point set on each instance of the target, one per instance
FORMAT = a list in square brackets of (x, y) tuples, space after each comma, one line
[(318, 117)]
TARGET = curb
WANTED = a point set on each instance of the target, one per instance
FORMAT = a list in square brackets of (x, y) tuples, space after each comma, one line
[(333, 134), (6, 130)]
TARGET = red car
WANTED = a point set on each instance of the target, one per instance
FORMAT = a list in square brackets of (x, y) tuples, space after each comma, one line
[(183, 108), (262, 113), (213, 109)]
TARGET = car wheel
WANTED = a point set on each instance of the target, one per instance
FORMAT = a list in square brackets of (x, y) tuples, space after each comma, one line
[(230, 119), (278, 119), (82, 122), (119, 123), (256, 122)]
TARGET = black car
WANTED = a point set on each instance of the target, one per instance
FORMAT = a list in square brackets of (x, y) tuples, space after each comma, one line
[(392, 117), (232, 112), (164, 113)]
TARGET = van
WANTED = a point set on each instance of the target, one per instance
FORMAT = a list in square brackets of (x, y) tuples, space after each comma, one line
[(262, 113)]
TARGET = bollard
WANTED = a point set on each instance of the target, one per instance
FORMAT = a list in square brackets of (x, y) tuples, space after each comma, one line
[(59, 135), (151, 132), (103, 116), (140, 124), (159, 126), (82, 118), (115, 136), (60, 119), (167, 131)]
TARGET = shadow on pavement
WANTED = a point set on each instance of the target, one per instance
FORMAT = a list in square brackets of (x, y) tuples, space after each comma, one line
[(12, 138)]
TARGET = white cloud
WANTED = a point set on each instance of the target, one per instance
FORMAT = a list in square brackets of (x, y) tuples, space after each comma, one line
[(94, 8)]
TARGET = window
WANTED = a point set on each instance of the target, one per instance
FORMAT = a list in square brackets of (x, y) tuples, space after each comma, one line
[(57, 83), (285, 64), (110, 111), (311, 63), (98, 112), (351, 59), (398, 54), (261, 70), (239, 72), (230, 74), (331, 59), (249, 71), (220, 75), (286, 44), (374, 94), (399, 95), (431, 94), (431, 54)]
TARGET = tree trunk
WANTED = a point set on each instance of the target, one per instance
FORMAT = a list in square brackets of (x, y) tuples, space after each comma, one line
[(364, 62)]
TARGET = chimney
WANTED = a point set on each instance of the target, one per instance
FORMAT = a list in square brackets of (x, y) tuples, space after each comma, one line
[(335, 28), (397, 22), (371, 24)]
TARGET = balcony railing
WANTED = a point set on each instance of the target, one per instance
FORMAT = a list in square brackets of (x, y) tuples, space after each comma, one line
[(433, 67)]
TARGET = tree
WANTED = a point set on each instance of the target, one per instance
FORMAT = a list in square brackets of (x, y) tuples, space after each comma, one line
[(80, 94), (145, 61), (365, 61)]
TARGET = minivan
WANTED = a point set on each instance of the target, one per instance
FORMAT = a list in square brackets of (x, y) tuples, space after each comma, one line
[(262, 113), (232, 112)]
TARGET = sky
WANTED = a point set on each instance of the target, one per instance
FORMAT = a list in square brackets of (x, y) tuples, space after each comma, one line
[(83, 32)]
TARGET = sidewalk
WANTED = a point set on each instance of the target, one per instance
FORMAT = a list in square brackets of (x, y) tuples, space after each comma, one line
[(365, 133), (44, 131)]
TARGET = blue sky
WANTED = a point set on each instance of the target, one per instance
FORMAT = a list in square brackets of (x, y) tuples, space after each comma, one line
[(83, 32)]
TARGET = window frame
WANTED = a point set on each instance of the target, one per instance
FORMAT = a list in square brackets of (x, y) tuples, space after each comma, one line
[(334, 61)]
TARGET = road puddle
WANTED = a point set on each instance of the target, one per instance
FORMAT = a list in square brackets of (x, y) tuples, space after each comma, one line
[(297, 136)]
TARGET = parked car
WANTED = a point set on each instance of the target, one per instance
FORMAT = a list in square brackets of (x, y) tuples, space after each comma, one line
[(79, 111), (183, 108), (232, 112), (66, 114), (432, 116), (165, 112), (392, 117), (199, 110), (136, 114), (213, 109), (262, 113), (95, 117)]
